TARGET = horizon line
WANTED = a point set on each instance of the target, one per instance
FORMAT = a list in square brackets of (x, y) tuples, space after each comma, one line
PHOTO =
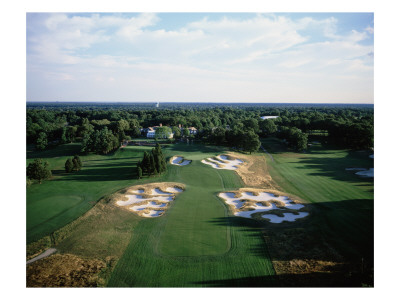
[(151, 102)]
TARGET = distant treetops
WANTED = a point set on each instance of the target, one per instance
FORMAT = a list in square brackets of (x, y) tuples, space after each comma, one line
[(153, 162)]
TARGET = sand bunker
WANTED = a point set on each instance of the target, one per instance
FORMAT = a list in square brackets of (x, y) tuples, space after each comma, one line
[(222, 162), (363, 171), (368, 173), (131, 200), (290, 217), (138, 191), (245, 204), (179, 161), (155, 198), (174, 190)]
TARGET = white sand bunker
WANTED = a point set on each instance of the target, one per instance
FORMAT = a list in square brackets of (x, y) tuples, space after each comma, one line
[(367, 173), (179, 161), (222, 162), (248, 204), (152, 202), (362, 171)]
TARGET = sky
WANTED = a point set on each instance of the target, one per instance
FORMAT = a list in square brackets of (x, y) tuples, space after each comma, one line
[(200, 57)]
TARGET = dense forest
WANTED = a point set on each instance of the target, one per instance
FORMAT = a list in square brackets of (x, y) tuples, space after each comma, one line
[(102, 127)]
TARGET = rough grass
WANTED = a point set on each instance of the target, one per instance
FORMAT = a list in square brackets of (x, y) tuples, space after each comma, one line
[(254, 171), (67, 271)]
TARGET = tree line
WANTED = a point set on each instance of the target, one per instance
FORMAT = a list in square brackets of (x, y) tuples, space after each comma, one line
[(348, 126)]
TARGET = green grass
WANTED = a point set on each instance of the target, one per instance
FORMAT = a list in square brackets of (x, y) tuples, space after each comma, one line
[(57, 202), (319, 175), (341, 201), (196, 243)]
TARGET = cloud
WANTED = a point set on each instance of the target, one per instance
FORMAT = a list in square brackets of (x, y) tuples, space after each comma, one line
[(228, 55)]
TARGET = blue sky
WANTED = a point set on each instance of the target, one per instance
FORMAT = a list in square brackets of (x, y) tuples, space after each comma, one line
[(211, 57)]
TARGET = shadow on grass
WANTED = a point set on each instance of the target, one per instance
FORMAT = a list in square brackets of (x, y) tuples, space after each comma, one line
[(333, 246), (55, 151), (196, 148), (256, 281), (336, 167), (102, 172)]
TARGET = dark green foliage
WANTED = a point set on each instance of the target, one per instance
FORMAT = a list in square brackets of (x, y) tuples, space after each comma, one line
[(74, 163), (177, 132), (251, 141), (153, 162), (296, 139), (100, 141), (145, 163), (153, 169), (251, 124), (217, 136), (38, 170), (268, 127), (349, 126), (69, 165), (140, 173), (185, 132), (352, 135), (41, 142), (77, 163), (163, 132)]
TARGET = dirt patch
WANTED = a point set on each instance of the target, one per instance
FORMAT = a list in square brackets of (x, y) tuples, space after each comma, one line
[(64, 270)]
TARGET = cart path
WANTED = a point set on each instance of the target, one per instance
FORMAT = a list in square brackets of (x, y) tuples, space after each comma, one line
[(267, 152), (46, 253)]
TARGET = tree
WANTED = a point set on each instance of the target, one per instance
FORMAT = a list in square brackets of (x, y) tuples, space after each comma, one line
[(177, 132), (251, 141), (71, 133), (134, 127), (268, 126), (38, 170), (77, 163), (251, 124), (139, 172), (64, 138), (185, 132), (153, 169), (41, 142), (163, 132), (69, 165), (218, 136), (87, 143), (85, 128), (145, 164)]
